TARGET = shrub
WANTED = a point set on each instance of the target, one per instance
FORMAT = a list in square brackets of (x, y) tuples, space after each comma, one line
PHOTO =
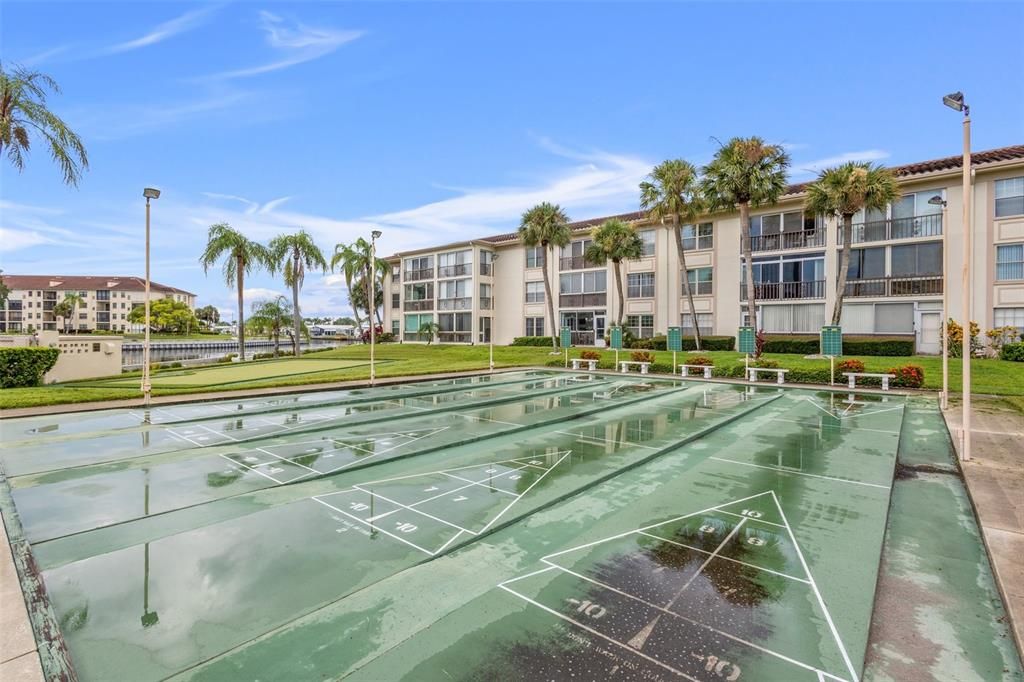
[(852, 365), (766, 363), (707, 342), (641, 356), (660, 342), (759, 342), (701, 360), (385, 337), (590, 355), (999, 337), (641, 344), (25, 365), (806, 344), (956, 337), (1014, 352), (175, 365), (907, 376), (531, 341)]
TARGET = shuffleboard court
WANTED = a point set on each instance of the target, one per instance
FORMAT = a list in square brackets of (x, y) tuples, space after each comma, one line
[(558, 525)]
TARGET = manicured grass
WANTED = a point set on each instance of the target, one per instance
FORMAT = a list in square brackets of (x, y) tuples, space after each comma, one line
[(995, 377)]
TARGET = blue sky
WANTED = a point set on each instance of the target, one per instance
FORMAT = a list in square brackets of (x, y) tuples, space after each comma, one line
[(443, 121)]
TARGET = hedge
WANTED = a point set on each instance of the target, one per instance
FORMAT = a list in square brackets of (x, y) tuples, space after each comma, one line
[(660, 342), (25, 365), (532, 341), (806, 344), (1014, 352)]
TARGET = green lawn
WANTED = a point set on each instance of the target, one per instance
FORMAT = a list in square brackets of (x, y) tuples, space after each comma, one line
[(350, 362)]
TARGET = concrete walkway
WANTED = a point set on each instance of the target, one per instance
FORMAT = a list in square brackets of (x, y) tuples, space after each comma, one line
[(995, 480), (19, 661)]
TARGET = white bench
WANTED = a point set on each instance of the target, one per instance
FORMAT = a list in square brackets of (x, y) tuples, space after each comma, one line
[(780, 374), (591, 364), (852, 377), (624, 366), (685, 370)]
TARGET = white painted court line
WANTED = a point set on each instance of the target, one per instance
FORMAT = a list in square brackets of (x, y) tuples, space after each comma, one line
[(183, 436), (415, 511), (817, 593), (664, 610), (381, 530), (285, 459), (470, 484), (800, 473), (834, 426), (770, 523), (528, 489), (478, 483), (408, 440), (595, 632), (217, 433), (598, 440), (735, 561), (253, 469)]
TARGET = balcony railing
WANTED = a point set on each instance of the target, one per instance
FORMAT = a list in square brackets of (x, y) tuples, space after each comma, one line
[(455, 337), (49, 295), (579, 300), (485, 302), (895, 286), (803, 239), (486, 269), (102, 295), (49, 305), (424, 304), (897, 228), (454, 303), (457, 270), (576, 263), (416, 275), (582, 338), (781, 291)]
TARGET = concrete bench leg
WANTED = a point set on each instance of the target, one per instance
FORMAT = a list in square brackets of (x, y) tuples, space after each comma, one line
[(782, 378), (885, 383), (643, 369), (707, 372), (853, 382), (751, 375), (623, 368)]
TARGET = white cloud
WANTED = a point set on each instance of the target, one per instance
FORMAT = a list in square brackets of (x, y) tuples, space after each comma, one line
[(14, 240), (298, 43), (809, 168), (129, 120), (261, 294), (45, 55), (162, 32)]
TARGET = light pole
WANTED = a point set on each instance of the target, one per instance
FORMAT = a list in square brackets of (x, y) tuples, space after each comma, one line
[(494, 301), (147, 388), (937, 200), (956, 102), (371, 304)]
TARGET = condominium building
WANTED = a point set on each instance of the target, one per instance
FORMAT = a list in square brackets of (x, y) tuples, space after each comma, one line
[(105, 302), (899, 269)]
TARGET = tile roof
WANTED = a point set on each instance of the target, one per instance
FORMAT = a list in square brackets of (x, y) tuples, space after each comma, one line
[(87, 283)]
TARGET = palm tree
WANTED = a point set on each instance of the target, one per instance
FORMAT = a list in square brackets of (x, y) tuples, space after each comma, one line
[(66, 308), (346, 256), (293, 253), (431, 329), (746, 171), (672, 192), (23, 113), (355, 264), (547, 226), (615, 241), (242, 257), (843, 191), (271, 316)]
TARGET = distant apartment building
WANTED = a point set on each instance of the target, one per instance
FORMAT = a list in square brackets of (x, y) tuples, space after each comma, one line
[(106, 302), (898, 269)]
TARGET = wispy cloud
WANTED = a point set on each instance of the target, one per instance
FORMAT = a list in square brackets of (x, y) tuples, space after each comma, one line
[(168, 29), (252, 207), (45, 55), (15, 240), (298, 43), (127, 120), (808, 168)]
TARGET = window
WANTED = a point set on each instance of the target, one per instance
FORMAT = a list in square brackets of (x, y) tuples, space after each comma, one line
[(641, 326), (1010, 197), (894, 318), (413, 324), (419, 292), (1010, 317), (535, 326), (909, 260), (1009, 262), (455, 288), (647, 239), (396, 300), (701, 281), (418, 265), (583, 282), (703, 323), (396, 327), (485, 296), (698, 236), (640, 285), (396, 272), (807, 318), (867, 263), (535, 292), (535, 257), (485, 329)]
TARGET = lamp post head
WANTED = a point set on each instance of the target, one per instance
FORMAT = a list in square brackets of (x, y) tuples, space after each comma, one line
[(937, 200), (495, 256), (955, 101), (151, 193), (375, 234)]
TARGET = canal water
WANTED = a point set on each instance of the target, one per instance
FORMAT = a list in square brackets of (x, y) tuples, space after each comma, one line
[(171, 351)]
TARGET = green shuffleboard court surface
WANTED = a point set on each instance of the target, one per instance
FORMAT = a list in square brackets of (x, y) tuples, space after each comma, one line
[(229, 373), (526, 525)]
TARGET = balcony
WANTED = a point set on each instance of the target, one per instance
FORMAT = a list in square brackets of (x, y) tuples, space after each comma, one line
[(485, 302), (582, 338), (102, 317), (49, 305), (458, 270), (803, 239), (455, 337), (417, 275), (919, 285), (425, 304), (49, 295), (897, 228), (580, 300), (576, 263), (784, 291), (102, 295), (486, 269), (455, 303)]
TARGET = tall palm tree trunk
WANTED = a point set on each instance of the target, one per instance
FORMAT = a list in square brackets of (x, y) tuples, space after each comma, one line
[(352, 303), (687, 291), (748, 260), (241, 308), (618, 287), (296, 317), (547, 293), (844, 268), (277, 340)]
